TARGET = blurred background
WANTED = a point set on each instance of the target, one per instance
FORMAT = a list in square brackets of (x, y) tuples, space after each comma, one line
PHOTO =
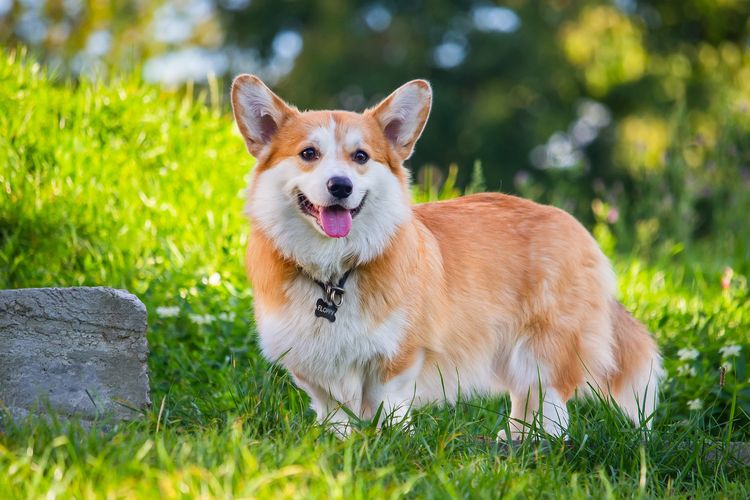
[(633, 114)]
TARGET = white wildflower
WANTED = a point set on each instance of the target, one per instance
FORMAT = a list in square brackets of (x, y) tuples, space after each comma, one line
[(686, 370), (167, 311), (729, 351), (201, 319), (695, 404), (213, 280), (687, 353), (228, 317)]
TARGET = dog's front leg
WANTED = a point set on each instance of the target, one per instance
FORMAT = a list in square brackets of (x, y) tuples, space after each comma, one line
[(397, 393), (396, 403), (329, 398)]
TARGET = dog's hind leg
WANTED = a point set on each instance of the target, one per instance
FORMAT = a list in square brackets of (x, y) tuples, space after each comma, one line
[(634, 384), (527, 412)]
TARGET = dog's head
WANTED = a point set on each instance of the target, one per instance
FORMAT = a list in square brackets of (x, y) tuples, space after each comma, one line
[(331, 182)]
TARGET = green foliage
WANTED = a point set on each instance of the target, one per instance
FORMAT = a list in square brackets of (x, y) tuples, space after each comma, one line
[(477, 183), (120, 184), (126, 184)]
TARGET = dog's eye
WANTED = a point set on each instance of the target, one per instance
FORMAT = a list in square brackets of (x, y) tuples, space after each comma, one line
[(309, 154), (360, 157)]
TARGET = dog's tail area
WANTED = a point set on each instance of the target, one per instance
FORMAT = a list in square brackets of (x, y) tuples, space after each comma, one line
[(634, 385)]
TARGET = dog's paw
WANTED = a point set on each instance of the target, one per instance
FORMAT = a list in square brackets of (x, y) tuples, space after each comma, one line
[(515, 436), (341, 431)]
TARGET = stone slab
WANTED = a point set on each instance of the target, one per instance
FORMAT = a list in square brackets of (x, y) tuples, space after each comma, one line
[(80, 352)]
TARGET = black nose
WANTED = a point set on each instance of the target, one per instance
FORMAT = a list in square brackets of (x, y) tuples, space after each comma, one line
[(340, 187)]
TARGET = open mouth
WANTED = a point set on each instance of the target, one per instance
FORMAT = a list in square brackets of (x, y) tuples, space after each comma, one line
[(334, 220)]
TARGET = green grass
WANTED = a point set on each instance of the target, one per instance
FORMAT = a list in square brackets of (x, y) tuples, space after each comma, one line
[(122, 184)]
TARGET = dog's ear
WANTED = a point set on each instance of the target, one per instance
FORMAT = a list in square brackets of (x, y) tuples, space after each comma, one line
[(403, 114), (258, 112)]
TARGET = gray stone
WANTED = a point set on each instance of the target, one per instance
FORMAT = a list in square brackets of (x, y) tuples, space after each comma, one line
[(80, 352)]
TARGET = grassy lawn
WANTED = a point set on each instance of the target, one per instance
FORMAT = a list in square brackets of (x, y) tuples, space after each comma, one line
[(122, 184)]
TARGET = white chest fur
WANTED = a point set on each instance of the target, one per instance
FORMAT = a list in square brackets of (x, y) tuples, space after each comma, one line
[(319, 350)]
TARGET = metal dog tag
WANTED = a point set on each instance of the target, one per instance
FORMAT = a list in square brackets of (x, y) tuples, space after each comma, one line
[(325, 310)]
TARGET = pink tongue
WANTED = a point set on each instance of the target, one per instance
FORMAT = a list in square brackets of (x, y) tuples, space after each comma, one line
[(336, 221)]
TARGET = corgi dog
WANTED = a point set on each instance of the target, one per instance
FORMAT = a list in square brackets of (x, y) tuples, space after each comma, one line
[(368, 299)]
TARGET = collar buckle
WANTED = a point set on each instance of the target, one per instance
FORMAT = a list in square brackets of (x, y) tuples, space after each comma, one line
[(335, 294)]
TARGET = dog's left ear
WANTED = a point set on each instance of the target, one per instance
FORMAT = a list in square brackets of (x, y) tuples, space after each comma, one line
[(403, 114)]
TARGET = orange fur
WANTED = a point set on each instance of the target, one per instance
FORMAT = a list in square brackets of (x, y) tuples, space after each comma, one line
[(633, 347), (269, 271), (497, 271)]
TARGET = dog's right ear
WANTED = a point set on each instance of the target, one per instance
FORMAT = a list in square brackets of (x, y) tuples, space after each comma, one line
[(258, 112)]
